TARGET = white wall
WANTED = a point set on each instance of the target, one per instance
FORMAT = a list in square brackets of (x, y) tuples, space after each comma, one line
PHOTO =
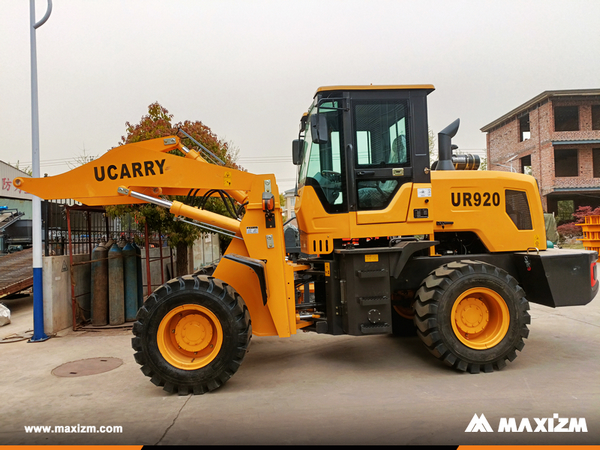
[(7, 188), (206, 250)]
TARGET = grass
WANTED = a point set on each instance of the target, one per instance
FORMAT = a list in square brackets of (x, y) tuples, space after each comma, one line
[(577, 245)]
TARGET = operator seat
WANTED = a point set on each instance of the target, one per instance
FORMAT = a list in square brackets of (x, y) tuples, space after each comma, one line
[(376, 194)]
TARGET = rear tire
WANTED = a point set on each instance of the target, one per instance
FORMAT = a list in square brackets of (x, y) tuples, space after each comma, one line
[(192, 334), (472, 316)]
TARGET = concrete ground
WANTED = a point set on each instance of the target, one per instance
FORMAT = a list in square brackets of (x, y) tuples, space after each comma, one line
[(308, 389)]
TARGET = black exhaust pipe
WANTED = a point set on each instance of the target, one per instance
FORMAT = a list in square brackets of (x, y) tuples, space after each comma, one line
[(445, 146)]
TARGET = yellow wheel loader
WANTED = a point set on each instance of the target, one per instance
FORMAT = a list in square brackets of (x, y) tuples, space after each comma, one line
[(383, 242)]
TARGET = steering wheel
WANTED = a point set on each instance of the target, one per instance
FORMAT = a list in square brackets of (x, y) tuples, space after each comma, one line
[(331, 176), (331, 185)]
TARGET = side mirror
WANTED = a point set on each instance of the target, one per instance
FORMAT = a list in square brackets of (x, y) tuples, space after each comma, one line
[(318, 128), (297, 151)]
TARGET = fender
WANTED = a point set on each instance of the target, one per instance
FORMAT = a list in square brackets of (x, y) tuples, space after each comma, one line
[(258, 267)]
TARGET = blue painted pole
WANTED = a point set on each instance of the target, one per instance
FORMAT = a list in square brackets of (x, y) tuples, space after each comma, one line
[(38, 299)]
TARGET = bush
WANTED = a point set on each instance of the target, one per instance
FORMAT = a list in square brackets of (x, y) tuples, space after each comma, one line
[(569, 230), (584, 211)]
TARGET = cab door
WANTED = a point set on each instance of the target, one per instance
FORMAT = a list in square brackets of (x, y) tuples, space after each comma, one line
[(383, 171)]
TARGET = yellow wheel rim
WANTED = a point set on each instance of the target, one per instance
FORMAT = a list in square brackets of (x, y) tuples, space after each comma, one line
[(189, 337), (480, 318)]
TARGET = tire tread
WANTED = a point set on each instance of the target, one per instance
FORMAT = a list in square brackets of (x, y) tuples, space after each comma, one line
[(426, 318), (230, 300)]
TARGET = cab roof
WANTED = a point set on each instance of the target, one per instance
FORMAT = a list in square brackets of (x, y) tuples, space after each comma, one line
[(370, 87)]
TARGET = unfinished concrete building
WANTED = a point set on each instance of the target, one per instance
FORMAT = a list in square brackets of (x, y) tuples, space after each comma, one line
[(555, 137)]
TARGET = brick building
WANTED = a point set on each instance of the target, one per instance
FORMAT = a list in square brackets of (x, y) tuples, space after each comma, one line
[(556, 138)]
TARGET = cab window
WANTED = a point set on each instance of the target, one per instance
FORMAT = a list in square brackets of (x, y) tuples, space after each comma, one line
[(381, 143), (381, 134)]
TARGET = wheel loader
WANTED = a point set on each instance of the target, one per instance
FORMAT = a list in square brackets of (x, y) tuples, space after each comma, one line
[(382, 242)]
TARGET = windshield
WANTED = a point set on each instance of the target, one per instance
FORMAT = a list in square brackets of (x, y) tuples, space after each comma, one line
[(322, 164)]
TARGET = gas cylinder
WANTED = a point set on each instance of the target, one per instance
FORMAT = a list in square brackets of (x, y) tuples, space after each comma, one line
[(99, 276), (116, 296), (130, 282)]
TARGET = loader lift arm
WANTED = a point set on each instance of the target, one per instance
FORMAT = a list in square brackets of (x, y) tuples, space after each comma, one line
[(145, 166), (146, 172)]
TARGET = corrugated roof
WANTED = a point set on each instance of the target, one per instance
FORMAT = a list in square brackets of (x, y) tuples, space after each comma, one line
[(543, 97), (576, 142), (577, 189)]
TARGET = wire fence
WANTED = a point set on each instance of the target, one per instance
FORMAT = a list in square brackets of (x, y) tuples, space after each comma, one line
[(75, 230), (87, 226)]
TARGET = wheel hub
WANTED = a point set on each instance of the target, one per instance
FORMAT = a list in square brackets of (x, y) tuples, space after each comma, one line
[(480, 318), (472, 315), (189, 336), (193, 333)]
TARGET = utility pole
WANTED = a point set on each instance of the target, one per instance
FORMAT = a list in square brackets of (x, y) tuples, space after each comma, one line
[(36, 206)]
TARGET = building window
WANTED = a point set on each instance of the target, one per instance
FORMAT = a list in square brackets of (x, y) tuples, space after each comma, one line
[(566, 118), (566, 208), (596, 162), (595, 117), (524, 131), (526, 165), (565, 163)]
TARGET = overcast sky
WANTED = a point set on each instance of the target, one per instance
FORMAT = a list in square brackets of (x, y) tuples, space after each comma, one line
[(249, 69)]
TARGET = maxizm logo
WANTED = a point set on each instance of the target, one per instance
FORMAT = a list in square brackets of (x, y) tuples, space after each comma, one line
[(552, 424)]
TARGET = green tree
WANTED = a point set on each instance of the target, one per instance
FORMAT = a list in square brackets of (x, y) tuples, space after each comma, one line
[(483, 165), (159, 123)]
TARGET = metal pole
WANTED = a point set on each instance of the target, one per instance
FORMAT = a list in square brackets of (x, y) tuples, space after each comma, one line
[(89, 230), (71, 271), (162, 263), (38, 299), (148, 275)]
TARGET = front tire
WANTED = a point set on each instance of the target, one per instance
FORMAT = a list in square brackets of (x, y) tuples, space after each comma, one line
[(206, 270), (192, 334), (472, 316)]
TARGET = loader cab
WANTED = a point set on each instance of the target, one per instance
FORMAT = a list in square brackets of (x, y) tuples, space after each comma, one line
[(359, 144)]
